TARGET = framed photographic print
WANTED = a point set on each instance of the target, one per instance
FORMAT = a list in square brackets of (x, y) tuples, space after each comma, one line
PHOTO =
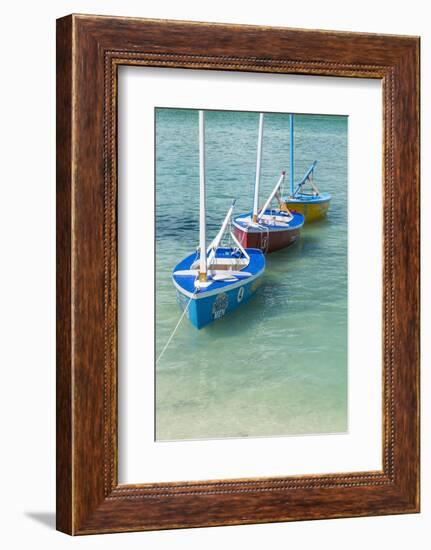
[(237, 274)]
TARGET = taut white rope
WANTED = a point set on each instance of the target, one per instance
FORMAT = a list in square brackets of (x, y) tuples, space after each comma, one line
[(176, 328)]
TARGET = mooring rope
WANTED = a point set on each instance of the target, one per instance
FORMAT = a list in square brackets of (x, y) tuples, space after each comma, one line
[(263, 228), (181, 318), (176, 328), (265, 250)]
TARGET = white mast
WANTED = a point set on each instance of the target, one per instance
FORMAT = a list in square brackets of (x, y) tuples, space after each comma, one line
[(258, 168), (202, 221), (292, 158)]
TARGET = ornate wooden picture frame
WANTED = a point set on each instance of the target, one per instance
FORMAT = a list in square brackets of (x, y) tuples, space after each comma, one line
[(89, 51)]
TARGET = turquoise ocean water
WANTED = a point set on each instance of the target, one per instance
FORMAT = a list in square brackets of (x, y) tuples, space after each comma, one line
[(277, 365)]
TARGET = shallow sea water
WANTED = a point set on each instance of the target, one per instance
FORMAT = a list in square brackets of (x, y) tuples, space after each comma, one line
[(278, 364)]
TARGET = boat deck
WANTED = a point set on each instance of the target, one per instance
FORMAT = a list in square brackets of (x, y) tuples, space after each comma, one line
[(304, 197), (251, 269), (273, 220)]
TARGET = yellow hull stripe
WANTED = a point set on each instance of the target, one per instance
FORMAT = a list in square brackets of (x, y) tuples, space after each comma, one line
[(311, 212)]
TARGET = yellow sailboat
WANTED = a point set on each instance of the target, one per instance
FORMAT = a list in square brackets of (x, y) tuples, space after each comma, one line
[(312, 203)]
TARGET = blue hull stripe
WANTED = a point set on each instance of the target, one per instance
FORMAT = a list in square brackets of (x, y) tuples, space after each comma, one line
[(210, 308)]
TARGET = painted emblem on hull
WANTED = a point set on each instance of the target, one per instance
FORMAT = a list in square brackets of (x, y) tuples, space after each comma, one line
[(240, 295), (220, 305)]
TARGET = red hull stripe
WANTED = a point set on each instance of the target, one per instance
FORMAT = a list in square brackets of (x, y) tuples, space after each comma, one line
[(267, 241)]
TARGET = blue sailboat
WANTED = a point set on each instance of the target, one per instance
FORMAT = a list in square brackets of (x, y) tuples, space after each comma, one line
[(215, 280)]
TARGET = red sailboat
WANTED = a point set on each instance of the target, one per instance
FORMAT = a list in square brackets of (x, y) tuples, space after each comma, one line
[(269, 229)]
